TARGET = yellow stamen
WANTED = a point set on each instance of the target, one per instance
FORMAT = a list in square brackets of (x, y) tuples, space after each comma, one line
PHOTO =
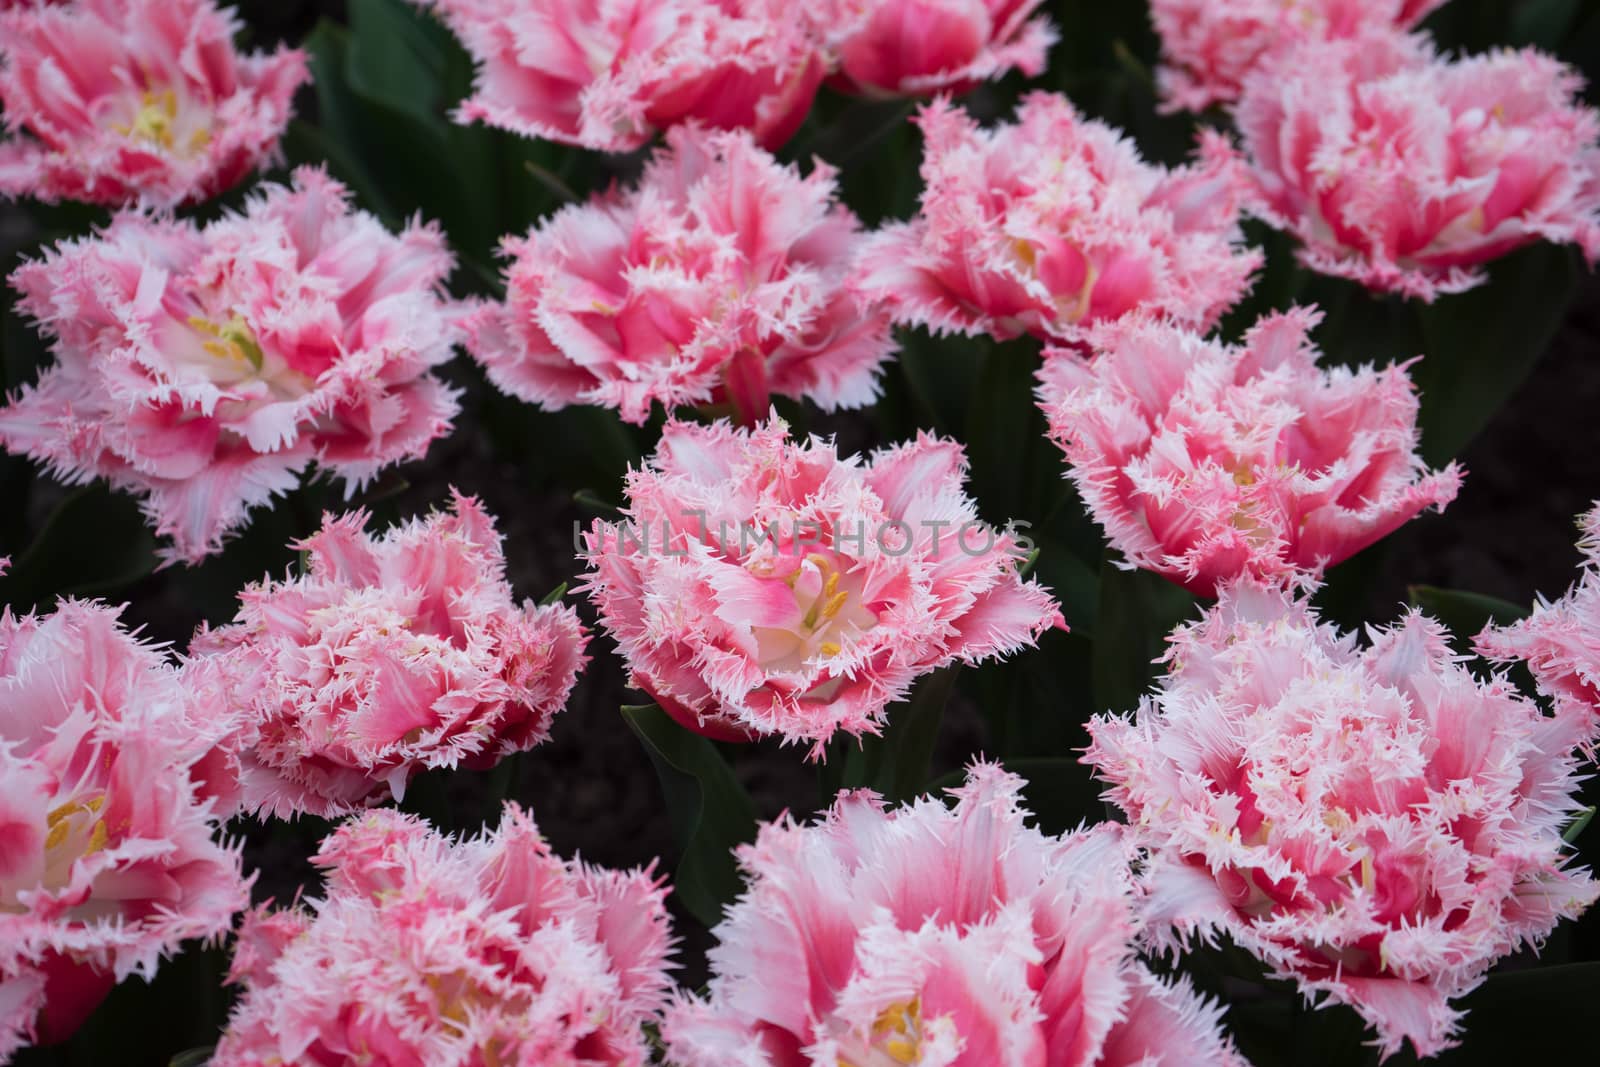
[(901, 1051), (59, 821), (158, 112), (1025, 252), (835, 603), (830, 648), (234, 340)]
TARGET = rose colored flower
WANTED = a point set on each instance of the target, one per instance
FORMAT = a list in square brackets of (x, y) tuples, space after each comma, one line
[(108, 860), (1204, 461), (887, 48), (937, 935), (1560, 642), (607, 74), (117, 101), (1407, 172), (205, 367), (1053, 224), (761, 586), (389, 655), (1375, 823), (721, 276), (441, 953), (1208, 48)]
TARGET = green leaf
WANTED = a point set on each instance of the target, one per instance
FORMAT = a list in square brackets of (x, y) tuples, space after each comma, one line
[(1579, 824), (1075, 584), (1544, 23), (895, 764), (554, 596), (710, 811), (563, 192), (337, 135), (95, 542), (1137, 611), (393, 60), (1482, 345), (195, 1057), (1465, 614), (591, 501)]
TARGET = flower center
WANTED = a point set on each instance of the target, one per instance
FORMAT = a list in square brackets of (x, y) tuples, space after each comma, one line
[(896, 1038), (1063, 269), (828, 610), (232, 341), (72, 830), (156, 122), (459, 1001)]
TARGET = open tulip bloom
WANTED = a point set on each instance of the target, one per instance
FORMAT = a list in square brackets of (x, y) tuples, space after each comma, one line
[(1408, 172), (934, 935), (431, 951), (136, 101), (205, 367), (1375, 823), (722, 277), (389, 655), (762, 586), (1209, 48), (1204, 461), (110, 857), (1053, 224)]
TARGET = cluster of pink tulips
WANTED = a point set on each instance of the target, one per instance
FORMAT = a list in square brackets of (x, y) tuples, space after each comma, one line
[(1369, 816)]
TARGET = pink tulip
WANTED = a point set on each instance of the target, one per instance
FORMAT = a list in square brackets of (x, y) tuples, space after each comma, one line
[(124, 101), (932, 935), (204, 368), (1374, 823), (389, 655), (760, 586), (1208, 48), (1204, 461), (888, 48), (1054, 224), (108, 858), (608, 74), (1407, 172), (429, 952), (720, 278)]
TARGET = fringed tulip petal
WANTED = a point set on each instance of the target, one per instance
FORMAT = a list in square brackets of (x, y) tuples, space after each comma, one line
[(108, 854), (721, 277), (204, 368), (441, 953), (389, 655), (1374, 823), (1204, 461), (889, 48), (608, 74), (1054, 224), (136, 101), (936, 935), (761, 586), (1407, 172)]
